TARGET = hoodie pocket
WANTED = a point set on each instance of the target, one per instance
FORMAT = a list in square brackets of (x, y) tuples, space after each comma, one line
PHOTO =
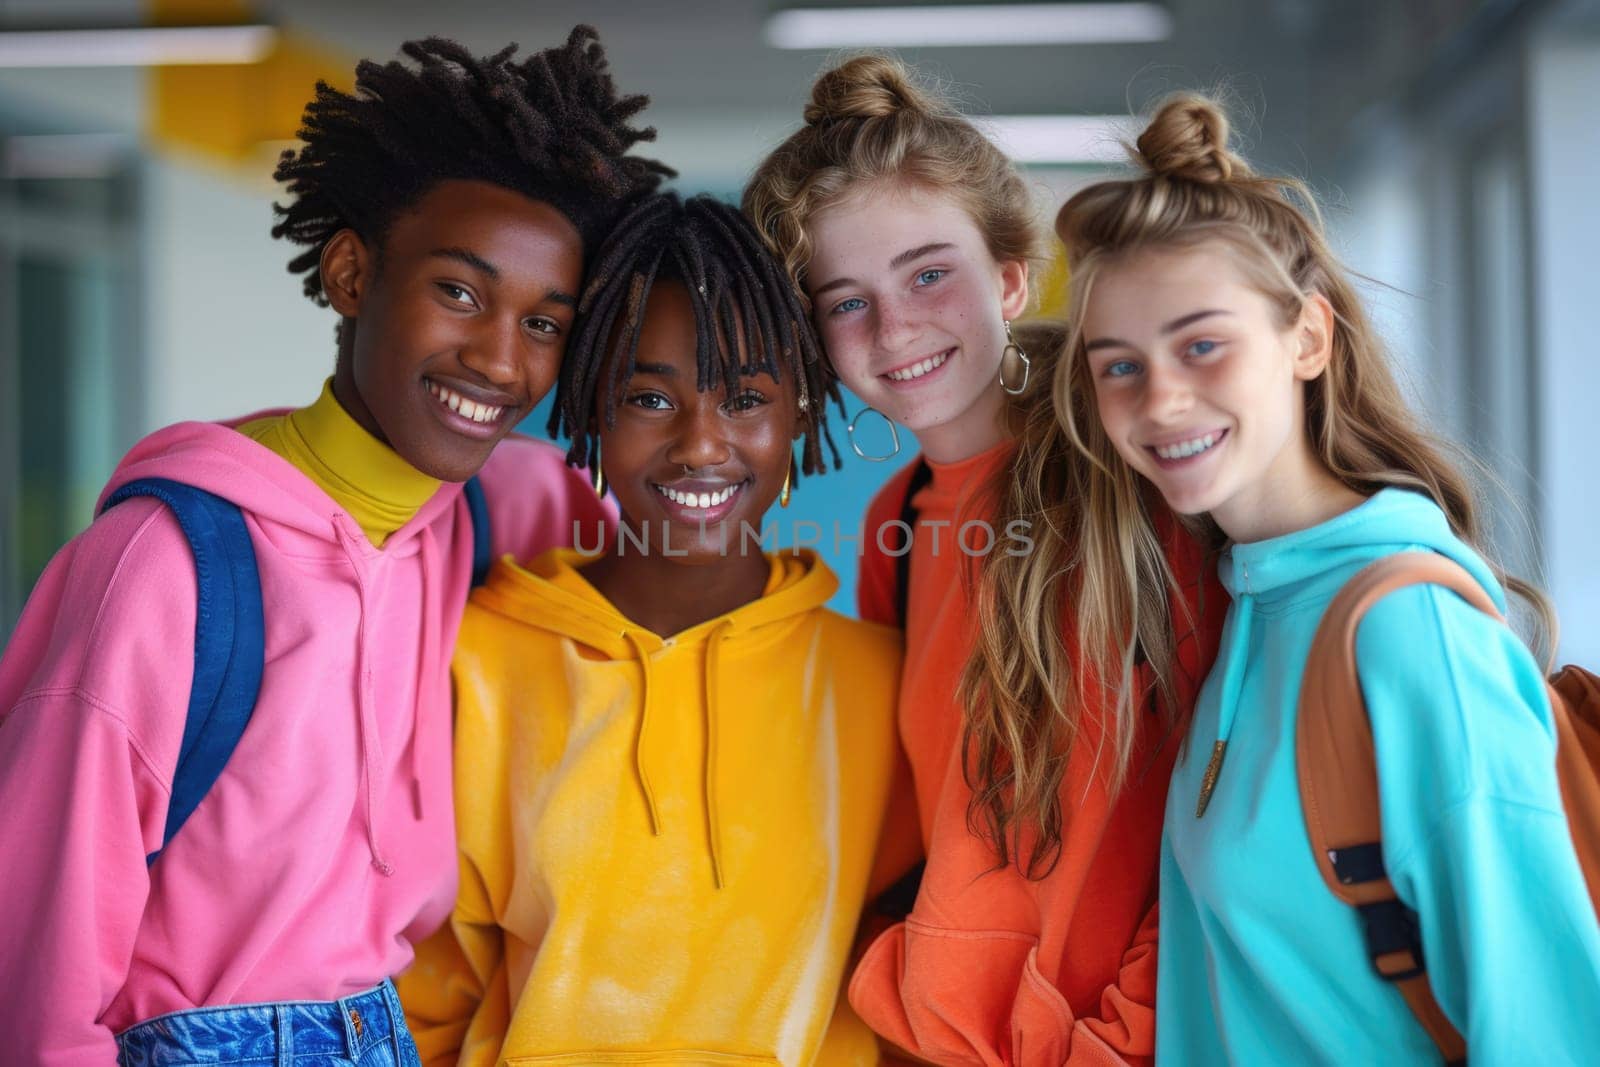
[(962, 996), (1041, 1018)]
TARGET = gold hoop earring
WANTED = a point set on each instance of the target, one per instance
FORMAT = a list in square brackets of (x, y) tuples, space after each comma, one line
[(788, 474), (599, 472), (1013, 351)]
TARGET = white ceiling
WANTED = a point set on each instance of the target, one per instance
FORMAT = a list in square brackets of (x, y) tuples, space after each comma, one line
[(721, 97)]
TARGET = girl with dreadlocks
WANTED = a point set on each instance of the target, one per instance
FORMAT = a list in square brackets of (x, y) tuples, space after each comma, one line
[(672, 759), (1031, 939), (445, 209)]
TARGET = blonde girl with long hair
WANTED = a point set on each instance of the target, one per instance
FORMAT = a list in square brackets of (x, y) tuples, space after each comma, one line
[(1031, 938), (1221, 358)]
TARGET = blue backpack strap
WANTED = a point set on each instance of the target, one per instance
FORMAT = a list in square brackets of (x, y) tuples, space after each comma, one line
[(478, 508), (229, 638)]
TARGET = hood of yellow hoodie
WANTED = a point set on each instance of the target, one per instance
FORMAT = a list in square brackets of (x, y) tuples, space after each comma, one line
[(551, 594)]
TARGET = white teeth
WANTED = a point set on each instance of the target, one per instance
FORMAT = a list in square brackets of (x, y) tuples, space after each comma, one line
[(1185, 449), (917, 370), (698, 500), (462, 406)]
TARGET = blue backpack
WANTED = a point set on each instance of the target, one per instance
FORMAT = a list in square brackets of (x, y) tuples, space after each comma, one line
[(229, 635)]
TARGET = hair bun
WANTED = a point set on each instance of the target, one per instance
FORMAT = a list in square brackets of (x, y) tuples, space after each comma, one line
[(865, 87), (1188, 140)]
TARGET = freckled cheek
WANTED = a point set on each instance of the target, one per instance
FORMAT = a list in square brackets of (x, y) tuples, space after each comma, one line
[(963, 310), (848, 350)]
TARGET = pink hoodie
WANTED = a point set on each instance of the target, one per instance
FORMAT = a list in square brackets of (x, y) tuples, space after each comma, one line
[(326, 848)]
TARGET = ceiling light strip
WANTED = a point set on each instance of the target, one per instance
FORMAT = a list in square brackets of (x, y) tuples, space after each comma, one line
[(956, 25), (136, 46), (1060, 138)]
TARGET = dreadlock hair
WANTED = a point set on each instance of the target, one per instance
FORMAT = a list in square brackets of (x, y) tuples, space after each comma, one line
[(550, 126), (749, 319)]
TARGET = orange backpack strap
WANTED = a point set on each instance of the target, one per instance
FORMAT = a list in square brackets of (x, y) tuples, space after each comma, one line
[(1575, 704), (1339, 779)]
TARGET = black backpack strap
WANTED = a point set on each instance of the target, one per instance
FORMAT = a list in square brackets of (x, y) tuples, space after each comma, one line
[(478, 508), (896, 901), (921, 475), (229, 639)]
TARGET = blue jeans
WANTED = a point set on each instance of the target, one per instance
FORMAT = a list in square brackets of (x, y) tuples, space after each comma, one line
[(366, 1030)]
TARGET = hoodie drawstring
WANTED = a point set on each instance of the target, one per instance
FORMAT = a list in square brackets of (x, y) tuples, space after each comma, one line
[(365, 718), (638, 739), (428, 665), (1233, 659), (709, 786)]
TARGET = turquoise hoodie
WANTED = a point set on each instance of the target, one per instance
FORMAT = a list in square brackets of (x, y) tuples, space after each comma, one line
[(1260, 963)]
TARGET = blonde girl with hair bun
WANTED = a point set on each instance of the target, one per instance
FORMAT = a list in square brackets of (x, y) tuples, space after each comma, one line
[(1031, 939), (1221, 358)]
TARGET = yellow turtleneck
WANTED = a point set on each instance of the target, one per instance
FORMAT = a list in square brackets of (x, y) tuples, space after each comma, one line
[(363, 475)]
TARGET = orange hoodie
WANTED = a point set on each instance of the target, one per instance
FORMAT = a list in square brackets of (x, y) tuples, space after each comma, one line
[(992, 967)]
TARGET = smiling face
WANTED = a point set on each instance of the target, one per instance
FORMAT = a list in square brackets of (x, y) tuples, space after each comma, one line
[(695, 464), (910, 306), (1200, 384), (460, 322)]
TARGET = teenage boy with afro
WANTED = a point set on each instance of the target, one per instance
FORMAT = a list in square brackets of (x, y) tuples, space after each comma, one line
[(445, 209)]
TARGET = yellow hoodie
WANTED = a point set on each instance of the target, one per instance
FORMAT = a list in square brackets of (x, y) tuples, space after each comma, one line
[(664, 842)]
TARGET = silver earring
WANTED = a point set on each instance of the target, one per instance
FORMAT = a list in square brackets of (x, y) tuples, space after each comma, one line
[(1013, 349), (894, 435)]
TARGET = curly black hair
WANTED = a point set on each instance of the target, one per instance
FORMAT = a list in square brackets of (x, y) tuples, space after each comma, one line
[(551, 127), (740, 293)]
